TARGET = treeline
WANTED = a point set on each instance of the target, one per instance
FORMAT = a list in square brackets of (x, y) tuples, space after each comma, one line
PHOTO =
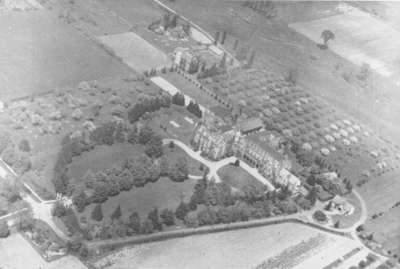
[(148, 105), (192, 107)]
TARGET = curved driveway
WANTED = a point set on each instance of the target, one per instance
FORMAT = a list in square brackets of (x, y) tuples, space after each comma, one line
[(215, 166)]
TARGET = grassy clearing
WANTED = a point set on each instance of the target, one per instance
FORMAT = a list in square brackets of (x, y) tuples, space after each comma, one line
[(348, 221), (102, 157), (162, 194), (237, 177), (219, 250)]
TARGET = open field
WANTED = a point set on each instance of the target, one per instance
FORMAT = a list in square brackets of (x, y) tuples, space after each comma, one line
[(162, 194), (136, 52), (237, 177), (40, 53), (234, 249), (388, 236), (376, 44), (17, 253)]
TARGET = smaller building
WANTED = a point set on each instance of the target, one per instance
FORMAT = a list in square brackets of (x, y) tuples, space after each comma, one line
[(250, 126)]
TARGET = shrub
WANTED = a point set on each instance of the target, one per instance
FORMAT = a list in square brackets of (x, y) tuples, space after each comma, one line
[(320, 216)]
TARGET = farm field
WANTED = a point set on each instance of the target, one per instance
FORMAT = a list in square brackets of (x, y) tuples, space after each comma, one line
[(136, 52), (375, 45), (162, 194), (245, 248), (17, 253), (237, 177), (389, 237), (36, 61)]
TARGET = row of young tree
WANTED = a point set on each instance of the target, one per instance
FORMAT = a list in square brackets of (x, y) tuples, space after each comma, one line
[(192, 107), (148, 105)]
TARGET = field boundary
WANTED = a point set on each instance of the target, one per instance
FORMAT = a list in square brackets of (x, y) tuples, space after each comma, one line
[(115, 244)]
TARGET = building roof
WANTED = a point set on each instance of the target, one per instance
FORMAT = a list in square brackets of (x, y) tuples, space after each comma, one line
[(251, 124), (262, 140)]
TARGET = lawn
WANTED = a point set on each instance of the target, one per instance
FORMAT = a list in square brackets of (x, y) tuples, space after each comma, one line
[(17, 253), (162, 194), (136, 52), (237, 177), (232, 249), (42, 53), (102, 157)]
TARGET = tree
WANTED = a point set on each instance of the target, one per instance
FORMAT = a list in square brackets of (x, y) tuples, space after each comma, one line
[(97, 213), (178, 99), (154, 148), (167, 217), (223, 37), (133, 136), (181, 211), (327, 35), (125, 180), (9, 156), (4, 230), (58, 210), (145, 135), (80, 200), (24, 145), (147, 227), (117, 213), (312, 195), (292, 76), (216, 38), (207, 217), (101, 191), (337, 224), (199, 193), (134, 222), (153, 216), (179, 171)]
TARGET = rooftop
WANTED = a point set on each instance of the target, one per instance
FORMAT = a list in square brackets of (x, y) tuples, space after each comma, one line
[(251, 124), (262, 140)]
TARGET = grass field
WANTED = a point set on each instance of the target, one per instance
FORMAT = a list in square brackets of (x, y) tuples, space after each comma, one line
[(136, 52), (237, 177), (40, 53), (375, 45), (162, 194), (233, 249), (17, 253)]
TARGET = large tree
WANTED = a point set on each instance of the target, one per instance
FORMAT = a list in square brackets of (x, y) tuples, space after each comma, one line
[(97, 213), (327, 35)]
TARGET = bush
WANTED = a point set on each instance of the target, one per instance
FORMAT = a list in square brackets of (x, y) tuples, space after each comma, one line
[(320, 216)]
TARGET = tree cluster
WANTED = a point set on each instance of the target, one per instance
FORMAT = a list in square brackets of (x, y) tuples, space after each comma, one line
[(178, 99), (194, 108), (148, 105)]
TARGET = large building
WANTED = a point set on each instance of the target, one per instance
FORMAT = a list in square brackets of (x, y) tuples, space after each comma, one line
[(259, 148), (216, 143)]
